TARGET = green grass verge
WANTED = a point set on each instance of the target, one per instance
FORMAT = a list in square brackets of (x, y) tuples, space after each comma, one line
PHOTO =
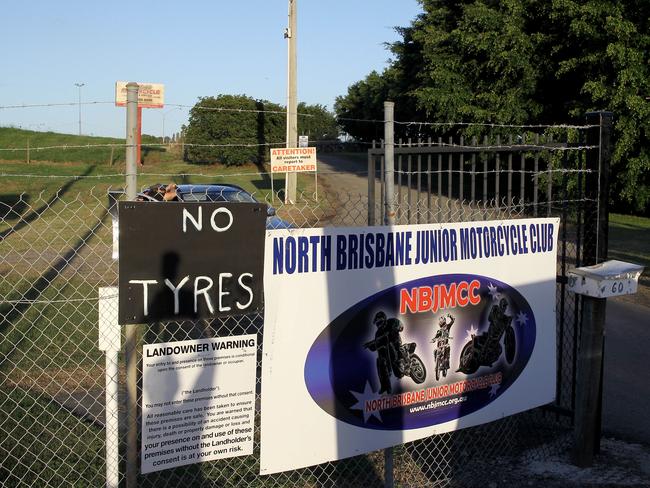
[(629, 238), (56, 238)]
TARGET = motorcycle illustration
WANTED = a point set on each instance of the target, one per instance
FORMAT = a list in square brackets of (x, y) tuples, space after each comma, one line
[(410, 363), (393, 357), (442, 347), (485, 349)]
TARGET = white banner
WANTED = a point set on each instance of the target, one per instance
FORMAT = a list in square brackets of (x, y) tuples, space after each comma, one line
[(198, 401), (377, 336)]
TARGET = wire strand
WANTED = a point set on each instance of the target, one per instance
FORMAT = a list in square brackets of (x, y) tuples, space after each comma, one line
[(63, 104), (266, 173), (227, 109)]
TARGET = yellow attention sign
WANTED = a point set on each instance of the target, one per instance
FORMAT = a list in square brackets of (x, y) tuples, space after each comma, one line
[(293, 159)]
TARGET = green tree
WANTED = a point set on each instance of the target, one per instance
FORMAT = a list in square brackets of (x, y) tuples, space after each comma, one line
[(237, 129), (598, 60), (317, 122), (232, 130), (522, 62), (363, 103)]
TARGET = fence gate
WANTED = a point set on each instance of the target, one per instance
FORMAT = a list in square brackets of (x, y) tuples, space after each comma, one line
[(505, 172)]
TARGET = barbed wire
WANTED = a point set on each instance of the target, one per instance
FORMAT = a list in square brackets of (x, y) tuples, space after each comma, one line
[(498, 147), (78, 177), (493, 125), (120, 146), (179, 105), (503, 147), (62, 104), (326, 172), (349, 119), (228, 109), (470, 124), (543, 203), (494, 171)]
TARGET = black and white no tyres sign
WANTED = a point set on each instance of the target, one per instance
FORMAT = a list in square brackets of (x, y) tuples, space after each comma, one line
[(189, 260)]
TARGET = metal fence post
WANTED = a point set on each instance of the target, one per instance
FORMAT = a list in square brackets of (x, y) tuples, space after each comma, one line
[(589, 387), (597, 185), (389, 219), (389, 151), (371, 186), (131, 351)]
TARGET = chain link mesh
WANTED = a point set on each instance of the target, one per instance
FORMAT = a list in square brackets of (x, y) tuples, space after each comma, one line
[(56, 253)]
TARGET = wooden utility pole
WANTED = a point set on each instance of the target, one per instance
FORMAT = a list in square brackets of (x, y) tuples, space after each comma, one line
[(292, 100)]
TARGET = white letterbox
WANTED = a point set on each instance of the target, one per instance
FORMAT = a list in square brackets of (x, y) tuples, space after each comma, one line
[(604, 280)]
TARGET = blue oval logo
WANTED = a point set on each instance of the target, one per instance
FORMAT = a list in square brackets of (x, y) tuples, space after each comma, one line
[(421, 353)]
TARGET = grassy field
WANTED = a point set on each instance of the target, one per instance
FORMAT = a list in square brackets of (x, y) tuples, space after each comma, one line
[(629, 240)]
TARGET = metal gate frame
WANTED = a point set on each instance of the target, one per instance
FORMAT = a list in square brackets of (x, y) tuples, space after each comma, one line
[(450, 180)]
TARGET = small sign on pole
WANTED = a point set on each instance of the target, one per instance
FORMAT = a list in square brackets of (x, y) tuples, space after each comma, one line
[(150, 95), (293, 159)]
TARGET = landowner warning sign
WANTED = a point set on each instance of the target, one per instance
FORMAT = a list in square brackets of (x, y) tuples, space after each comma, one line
[(293, 159), (198, 401)]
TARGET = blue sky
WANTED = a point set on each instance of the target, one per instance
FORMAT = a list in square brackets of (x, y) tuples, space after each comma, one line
[(195, 48)]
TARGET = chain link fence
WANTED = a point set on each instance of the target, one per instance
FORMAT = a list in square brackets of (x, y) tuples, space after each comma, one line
[(57, 251)]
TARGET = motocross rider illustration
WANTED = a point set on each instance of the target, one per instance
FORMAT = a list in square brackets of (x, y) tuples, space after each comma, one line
[(392, 355), (485, 349), (442, 347), (387, 345)]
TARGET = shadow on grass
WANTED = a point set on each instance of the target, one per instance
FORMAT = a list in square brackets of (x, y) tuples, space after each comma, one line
[(30, 217), (14, 311), (44, 445), (264, 185), (12, 206), (261, 140)]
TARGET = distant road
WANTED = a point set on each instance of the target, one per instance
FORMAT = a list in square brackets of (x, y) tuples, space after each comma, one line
[(626, 389), (351, 173)]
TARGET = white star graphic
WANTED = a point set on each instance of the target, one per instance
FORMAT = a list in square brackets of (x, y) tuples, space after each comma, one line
[(494, 292), (493, 390), (522, 318), (368, 394), (471, 332)]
